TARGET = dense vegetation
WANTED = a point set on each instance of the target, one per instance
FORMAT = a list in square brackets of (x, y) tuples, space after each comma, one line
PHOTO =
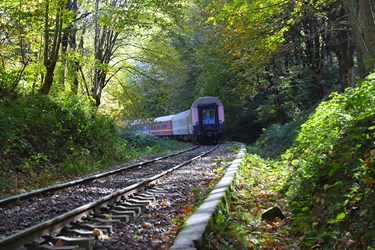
[(44, 140), (324, 182)]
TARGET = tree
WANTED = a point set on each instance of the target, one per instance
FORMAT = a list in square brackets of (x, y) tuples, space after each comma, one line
[(116, 24), (361, 16), (54, 16), (18, 41)]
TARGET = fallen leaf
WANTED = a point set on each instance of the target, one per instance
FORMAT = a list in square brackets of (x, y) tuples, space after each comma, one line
[(146, 225), (267, 235), (369, 182), (154, 216), (188, 209), (59, 243), (258, 207), (96, 232), (317, 200), (254, 212)]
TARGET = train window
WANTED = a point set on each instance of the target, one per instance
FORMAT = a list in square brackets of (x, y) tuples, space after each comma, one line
[(212, 114), (208, 116)]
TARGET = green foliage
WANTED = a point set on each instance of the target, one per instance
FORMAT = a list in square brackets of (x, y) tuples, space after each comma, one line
[(246, 30), (7, 84), (324, 181), (333, 160), (43, 140), (39, 133), (276, 139), (140, 144)]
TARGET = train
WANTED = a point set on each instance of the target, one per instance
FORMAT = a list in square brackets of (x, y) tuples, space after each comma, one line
[(203, 122)]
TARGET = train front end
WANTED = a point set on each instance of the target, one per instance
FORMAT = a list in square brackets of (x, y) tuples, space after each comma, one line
[(208, 119)]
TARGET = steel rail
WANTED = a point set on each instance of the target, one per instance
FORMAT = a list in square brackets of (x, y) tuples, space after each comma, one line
[(23, 237), (40, 191)]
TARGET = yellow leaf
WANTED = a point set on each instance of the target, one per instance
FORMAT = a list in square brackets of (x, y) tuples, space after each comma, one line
[(267, 235), (164, 203)]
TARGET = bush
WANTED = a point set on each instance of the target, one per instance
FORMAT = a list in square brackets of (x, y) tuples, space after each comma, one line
[(39, 135), (276, 139), (152, 144), (44, 140), (8, 83), (333, 160)]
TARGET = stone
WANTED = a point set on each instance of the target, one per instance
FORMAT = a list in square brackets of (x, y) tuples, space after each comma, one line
[(271, 214)]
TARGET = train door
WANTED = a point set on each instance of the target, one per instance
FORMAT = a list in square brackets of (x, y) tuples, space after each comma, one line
[(208, 117)]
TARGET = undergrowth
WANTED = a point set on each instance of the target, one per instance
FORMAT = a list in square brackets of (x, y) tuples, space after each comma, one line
[(276, 139), (45, 140), (333, 162), (324, 182), (239, 225)]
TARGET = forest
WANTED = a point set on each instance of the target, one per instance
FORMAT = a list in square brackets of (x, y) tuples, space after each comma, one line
[(294, 76)]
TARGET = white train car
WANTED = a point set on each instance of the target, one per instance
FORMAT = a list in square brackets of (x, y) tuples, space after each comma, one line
[(182, 124)]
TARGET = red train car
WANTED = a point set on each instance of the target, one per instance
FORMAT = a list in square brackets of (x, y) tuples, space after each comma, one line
[(162, 126)]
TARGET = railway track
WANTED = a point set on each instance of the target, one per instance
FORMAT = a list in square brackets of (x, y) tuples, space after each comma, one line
[(16, 198), (105, 198)]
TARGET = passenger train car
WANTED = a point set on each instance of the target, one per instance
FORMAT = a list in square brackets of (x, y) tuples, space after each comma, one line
[(203, 122)]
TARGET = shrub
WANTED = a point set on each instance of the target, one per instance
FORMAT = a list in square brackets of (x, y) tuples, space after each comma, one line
[(333, 160), (38, 135), (43, 140), (276, 139)]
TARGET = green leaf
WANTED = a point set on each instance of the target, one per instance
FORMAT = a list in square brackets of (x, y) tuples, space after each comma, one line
[(305, 209), (340, 216)]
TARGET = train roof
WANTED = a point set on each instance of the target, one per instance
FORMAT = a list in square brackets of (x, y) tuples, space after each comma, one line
[(181, 115), (163, 118), (206, 100)]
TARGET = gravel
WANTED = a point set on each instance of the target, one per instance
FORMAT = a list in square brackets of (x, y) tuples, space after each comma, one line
[(184, 189), (33, 211)]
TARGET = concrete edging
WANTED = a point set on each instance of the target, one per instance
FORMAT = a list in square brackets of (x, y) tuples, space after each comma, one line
[(198, 221)]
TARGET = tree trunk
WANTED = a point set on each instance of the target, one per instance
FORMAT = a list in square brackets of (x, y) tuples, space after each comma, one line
[(361, 66), (48, 80), (346, 60), (51, 51), (362, 23)]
